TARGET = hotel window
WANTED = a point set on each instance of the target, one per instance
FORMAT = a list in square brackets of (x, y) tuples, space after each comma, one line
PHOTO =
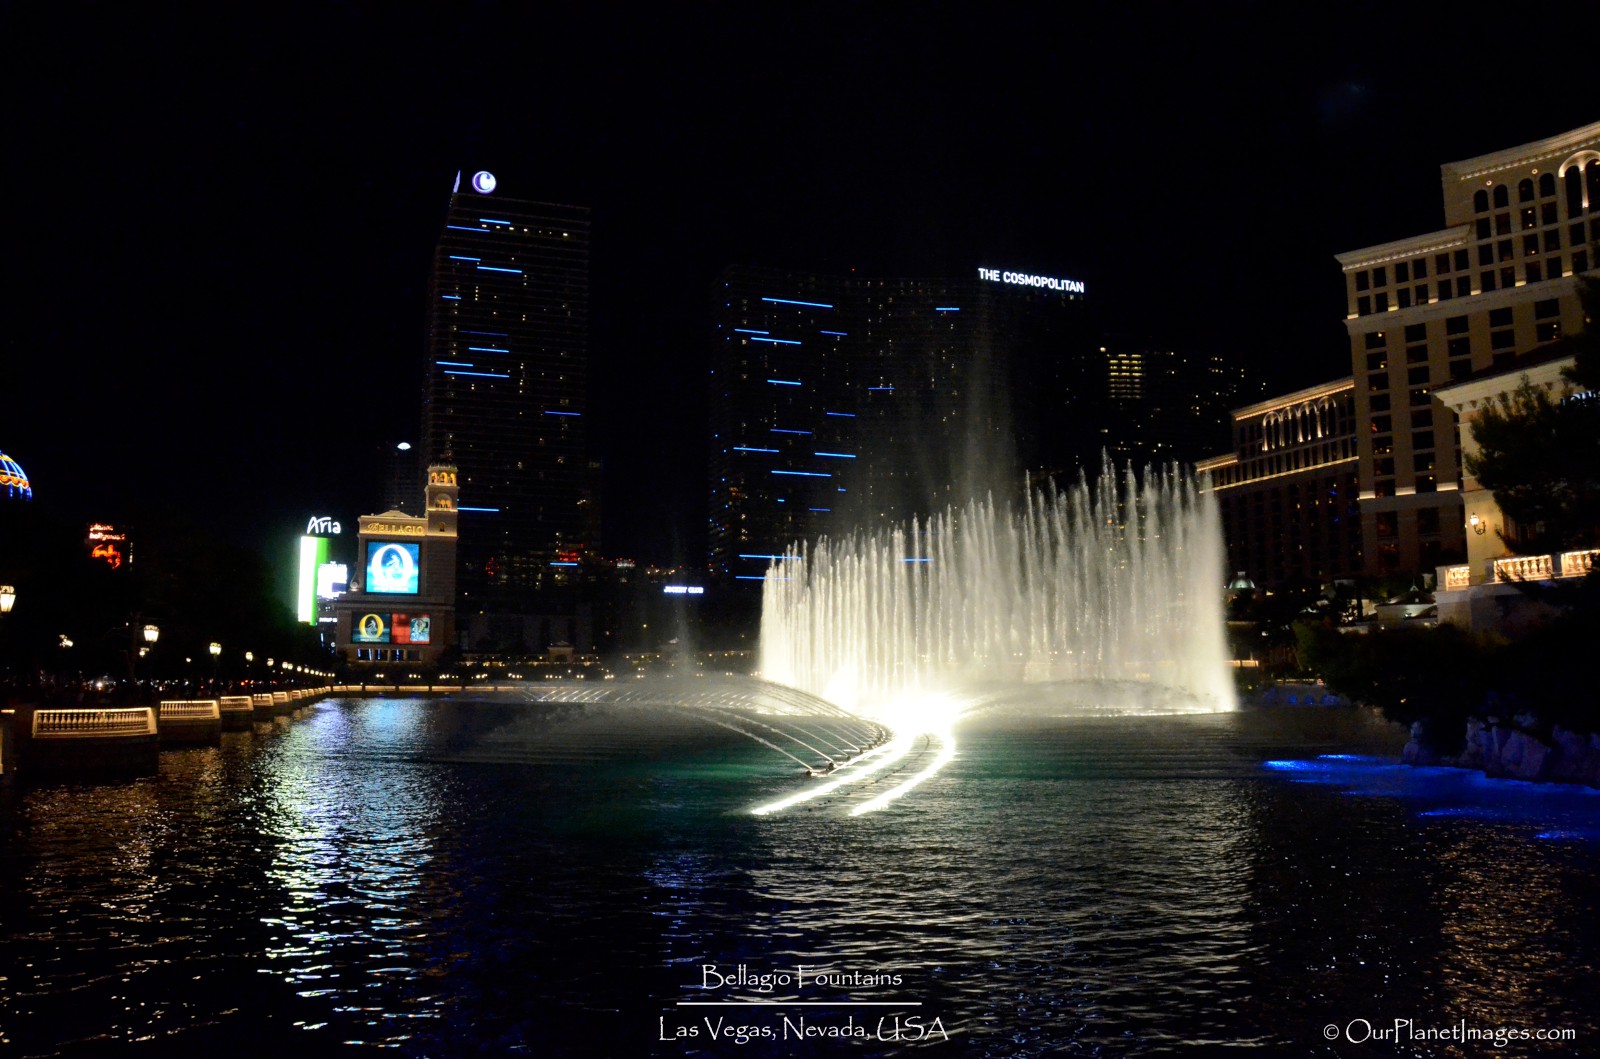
[(1552, 240), (1552, 266), (1530, 245), (1461, 260), (1503, 250), (1379, 402), (1402, 298), (1378, 381), (1380, 424), (1416, 354), (1375, 339), (1480, 201), (1416, 332), (1580, 261), (1484, 228), (1362, 280), (1383, 445), (1530, 217), (1486, 281), (1417, 376), (1384, 466), (1575, 234), (1500, 317), (1422, 420), (1422, 461), (1460, 369), (1364, 305), (1377, 361), (1502, 197), (1548, 309), (1547, 184), (1502, 224), (1381, 302), (1502, 340), (1441, 263), (1486, 254), (1535, 274), (1463, 286), (1422, 439), (1525, 190), (1426, 484), (1547, 331), (1402, 272), (1387, 524), (1444, 290), (1420, 396), (1548, 214), (1508, 276), (1422, 294), (1419, 268), (1380, 276), (1455, 325)]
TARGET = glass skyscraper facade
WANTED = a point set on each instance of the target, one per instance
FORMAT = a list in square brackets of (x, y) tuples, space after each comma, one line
[(505, 387)]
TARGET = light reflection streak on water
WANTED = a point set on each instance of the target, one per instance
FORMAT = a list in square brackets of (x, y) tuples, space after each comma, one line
[(910, 716)]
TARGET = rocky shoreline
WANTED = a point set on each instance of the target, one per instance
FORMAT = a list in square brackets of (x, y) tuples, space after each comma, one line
[(1517, 749)]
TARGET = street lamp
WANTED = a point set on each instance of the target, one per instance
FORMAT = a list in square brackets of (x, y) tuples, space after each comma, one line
[(216, 659), (151, 634), (8, 598)]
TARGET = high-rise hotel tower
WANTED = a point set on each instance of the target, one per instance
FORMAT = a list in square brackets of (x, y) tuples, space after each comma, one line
[(504, 397), (1495, 283)]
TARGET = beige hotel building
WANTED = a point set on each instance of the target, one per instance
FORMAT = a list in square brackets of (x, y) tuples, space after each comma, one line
[(1494, 284)]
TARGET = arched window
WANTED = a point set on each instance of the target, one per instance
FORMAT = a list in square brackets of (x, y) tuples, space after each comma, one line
[(1591, 179), (1547, 184), (1574, 182), (1502, 197), (1525, 190), (1480, 201)]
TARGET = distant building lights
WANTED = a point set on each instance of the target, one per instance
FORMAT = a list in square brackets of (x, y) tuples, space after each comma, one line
[(781, 430), (455, 363), (784, 382), (779, 558), (489, 510), (563, 564), (790, 301), (819, 509), (750, 331), (947, 308), (843, 415), (751, 448), (774, 341), (491, 220), (465, 228), (550, 412), (805, 474), (837, 455), (840, 334), (459, 257), (488, 349), (496, 268), (451, 297), (491, 334), (480, 374), (874, 389)]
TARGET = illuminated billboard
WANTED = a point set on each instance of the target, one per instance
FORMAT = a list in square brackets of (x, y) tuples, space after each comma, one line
[(107, 545), (392, 567), (393, 628), (371, 628), (333, 580), (313, 554), (410, 628)]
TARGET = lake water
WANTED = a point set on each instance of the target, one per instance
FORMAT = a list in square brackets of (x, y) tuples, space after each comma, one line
[(504, 877)]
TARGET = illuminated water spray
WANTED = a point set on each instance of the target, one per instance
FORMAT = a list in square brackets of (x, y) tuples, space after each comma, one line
[(1111, 589)]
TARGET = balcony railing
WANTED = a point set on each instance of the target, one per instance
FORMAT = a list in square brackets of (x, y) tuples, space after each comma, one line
[(190, 710), (74, 724), (1521, 568)]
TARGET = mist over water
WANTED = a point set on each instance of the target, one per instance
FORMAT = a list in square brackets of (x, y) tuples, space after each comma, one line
[(1114, 583)]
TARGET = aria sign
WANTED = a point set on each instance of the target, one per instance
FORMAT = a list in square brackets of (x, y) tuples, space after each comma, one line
[(321, 524), (1023, 279)]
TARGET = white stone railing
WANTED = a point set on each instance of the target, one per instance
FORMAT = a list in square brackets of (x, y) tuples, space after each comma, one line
[(70, 724), (263, 699), (280, 697), (235, 704), (1578, 564), (1525, 568), (1456, 577), (190, 710)]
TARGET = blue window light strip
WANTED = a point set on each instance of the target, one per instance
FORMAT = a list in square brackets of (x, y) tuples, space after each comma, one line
[(455, 363), (491, 334), (490, 510), (840, 455), (916, 560), (458, 257), (780, 500), (947, 308), (843, 415), (841, 334), (487, 349), (479, 374), (783, 382), (563, 564), (805, 474), (780, 430), (548, 412), (492, 220), (451, 297), (872, 389), (748, 448), (465, 228), (819, 509), (496, 268), (751, 331), (779, 558), (842, 489), (775, 341), (791, 301)]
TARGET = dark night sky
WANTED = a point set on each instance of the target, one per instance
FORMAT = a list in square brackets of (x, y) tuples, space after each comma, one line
[(222, 229)]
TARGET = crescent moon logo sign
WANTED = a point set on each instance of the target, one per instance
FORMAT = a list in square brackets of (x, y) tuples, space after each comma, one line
[(483, 182)]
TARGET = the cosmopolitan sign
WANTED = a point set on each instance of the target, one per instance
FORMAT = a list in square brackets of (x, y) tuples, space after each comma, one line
[(1024, 279)]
